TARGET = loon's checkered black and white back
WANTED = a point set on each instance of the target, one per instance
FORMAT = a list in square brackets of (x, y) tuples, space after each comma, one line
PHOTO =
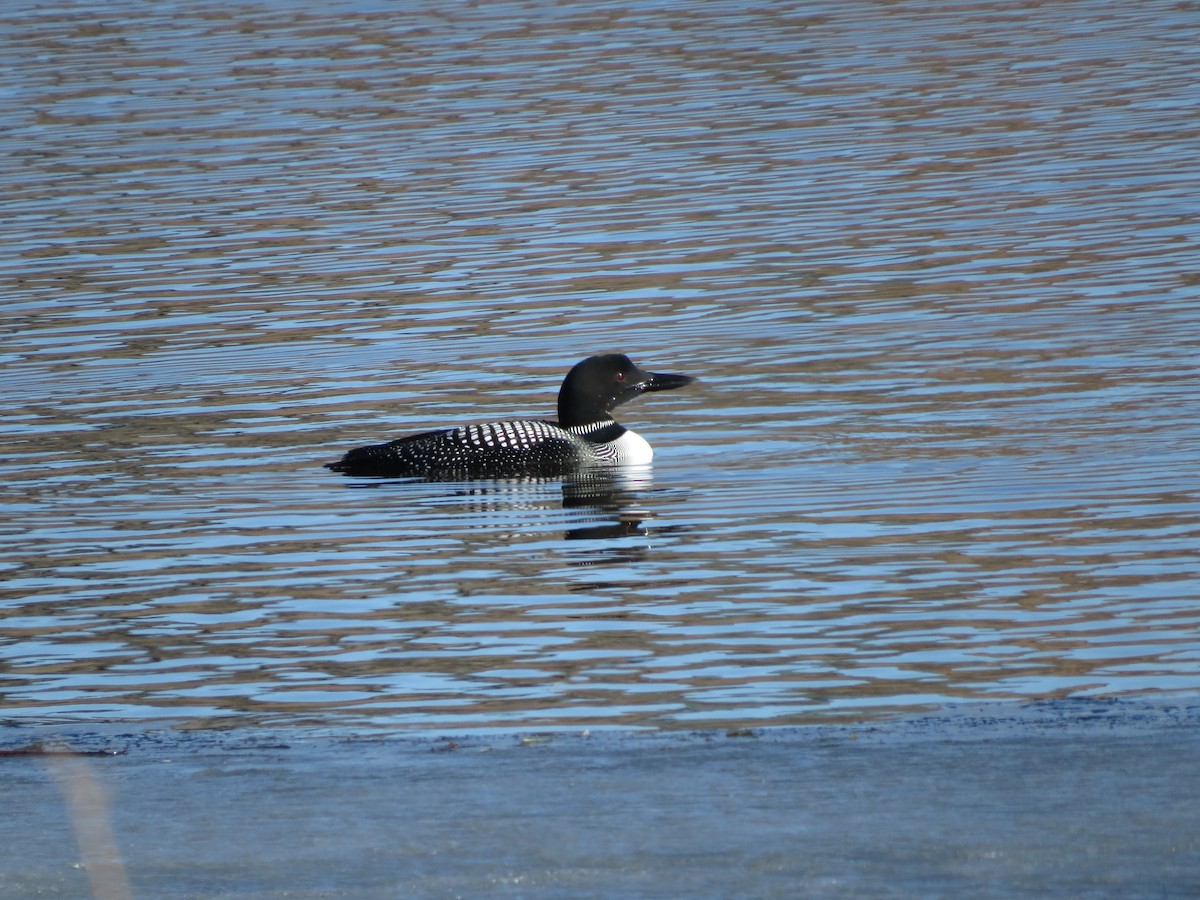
[(491, 449), (586, 435)]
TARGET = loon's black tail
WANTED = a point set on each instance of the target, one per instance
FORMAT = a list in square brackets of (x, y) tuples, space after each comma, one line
[(397, 458)]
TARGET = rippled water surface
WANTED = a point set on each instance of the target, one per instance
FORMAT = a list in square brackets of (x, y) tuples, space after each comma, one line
[(936, 266)]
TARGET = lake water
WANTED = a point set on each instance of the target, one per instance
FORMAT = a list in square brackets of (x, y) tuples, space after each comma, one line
[(936, 266)]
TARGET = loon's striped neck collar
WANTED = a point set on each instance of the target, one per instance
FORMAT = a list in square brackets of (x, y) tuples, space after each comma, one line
[(603, 432)]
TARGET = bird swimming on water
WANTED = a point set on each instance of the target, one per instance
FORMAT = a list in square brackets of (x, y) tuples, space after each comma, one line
[(585, 435)]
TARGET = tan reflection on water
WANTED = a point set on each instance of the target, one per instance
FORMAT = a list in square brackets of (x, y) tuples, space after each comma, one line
[(935, 266)]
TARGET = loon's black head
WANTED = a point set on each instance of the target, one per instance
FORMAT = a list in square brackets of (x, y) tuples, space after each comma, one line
[(599, 384)]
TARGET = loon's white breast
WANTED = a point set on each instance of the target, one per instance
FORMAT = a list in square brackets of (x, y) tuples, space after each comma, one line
[(630, 449)]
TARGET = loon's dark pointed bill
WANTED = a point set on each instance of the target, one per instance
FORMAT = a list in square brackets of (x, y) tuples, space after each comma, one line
[(667, 382)]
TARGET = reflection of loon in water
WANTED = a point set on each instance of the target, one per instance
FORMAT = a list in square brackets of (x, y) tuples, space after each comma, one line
[(609, 503), (585, 436), (613, 494), (605, 503)]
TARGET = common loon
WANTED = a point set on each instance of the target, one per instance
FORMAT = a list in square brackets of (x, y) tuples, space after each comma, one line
[(585, 435)]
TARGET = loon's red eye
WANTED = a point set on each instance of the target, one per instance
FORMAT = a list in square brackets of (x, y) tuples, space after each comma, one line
[(620, 376)]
